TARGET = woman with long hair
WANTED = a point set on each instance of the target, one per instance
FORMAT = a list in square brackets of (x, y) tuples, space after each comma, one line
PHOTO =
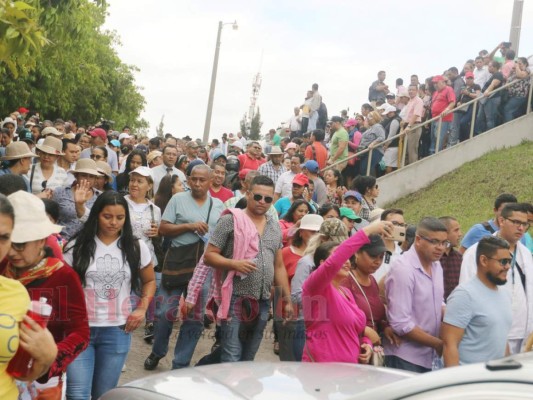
[(111, 263), (14, 302), (371, 139), (341, 337), (135, 159), (168, 187), (299, 208), (32, 263), (334, 186)]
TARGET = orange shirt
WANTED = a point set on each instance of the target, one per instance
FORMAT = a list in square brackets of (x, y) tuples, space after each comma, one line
[(321, 154)]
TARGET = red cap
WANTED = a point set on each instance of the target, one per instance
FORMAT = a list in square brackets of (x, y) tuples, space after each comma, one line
[(469, 74), (243, 172), (23, 110), (301, 179), (99, 132), (437, 78)]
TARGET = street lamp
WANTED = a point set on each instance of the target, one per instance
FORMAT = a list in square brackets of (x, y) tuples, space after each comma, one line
[(207, 125)]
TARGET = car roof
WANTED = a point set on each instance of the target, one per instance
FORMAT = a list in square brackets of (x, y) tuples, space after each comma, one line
[(267, 380)]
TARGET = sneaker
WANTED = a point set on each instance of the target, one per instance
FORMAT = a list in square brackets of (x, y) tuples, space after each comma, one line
[(151, 362), (149, 332), (276, 348), (124, 368)]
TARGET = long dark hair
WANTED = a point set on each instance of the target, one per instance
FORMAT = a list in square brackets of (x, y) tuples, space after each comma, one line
[(83, 244), (289, 216), (123, 179), (164, 191)]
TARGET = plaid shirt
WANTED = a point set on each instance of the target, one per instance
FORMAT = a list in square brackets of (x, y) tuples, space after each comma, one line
[(197, 281), (268, 169), (451, 267)]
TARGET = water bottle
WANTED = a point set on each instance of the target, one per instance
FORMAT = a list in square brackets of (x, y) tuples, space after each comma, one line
[(20, 365)]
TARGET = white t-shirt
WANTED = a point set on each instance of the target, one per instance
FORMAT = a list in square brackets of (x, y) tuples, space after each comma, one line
[(108, 283), (284, 184), (387, 262)]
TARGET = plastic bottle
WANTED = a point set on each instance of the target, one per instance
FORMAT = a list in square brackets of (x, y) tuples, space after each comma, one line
[(20, 364)]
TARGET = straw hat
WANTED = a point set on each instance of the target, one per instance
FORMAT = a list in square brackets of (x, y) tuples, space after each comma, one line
[(16, 151), (104, 169), (50, 130), (153, 155), (276, 150), (85, 166), (31, 221), (51, 145)]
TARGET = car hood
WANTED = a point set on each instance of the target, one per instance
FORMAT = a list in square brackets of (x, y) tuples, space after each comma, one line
[(258, 380)]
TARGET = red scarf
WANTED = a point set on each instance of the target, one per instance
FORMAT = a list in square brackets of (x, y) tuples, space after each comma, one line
[(43, 270)]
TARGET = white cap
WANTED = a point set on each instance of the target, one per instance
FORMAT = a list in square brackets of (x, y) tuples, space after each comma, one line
[(124, 135), (387, 108), (143, 171), (311, 222)]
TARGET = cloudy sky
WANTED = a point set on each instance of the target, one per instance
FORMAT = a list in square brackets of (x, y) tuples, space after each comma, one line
[(338, 44)]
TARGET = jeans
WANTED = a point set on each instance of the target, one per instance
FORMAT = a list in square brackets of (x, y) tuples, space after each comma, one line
[(453, 138), (363, 163), (97, 369), (442, 135), (488, 114), (151, 307), (513, 108), (242, 344), (191, 328), (400, 363), (464, 124)]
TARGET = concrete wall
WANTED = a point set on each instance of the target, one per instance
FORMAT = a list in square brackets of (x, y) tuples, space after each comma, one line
[(416, 176)]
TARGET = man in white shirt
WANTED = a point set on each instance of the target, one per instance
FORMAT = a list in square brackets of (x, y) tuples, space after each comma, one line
[(170, 155), (316, 100), (295, 123), (481, 72), (519, 287), (284, 183)]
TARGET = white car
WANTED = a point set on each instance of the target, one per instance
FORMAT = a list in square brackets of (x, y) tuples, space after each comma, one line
[(509, 378)]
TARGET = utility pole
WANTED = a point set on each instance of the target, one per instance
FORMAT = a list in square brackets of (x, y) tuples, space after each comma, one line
[(516, 25)]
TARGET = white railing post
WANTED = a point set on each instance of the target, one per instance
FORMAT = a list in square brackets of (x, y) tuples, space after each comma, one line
[(437, 140), (369, 162), (473, 119), (530, 93)]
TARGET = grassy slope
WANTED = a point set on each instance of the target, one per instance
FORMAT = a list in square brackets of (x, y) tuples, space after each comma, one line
[(468, 193)]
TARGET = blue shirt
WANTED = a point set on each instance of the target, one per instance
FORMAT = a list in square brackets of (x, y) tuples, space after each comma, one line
[(6, 171), (282, 206), (486, 316), (476, 233)]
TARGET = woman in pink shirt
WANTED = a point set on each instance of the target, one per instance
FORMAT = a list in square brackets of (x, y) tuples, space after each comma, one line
[(335, 324)]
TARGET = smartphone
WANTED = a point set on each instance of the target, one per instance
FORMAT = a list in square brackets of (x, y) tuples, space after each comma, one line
[(398, 233)]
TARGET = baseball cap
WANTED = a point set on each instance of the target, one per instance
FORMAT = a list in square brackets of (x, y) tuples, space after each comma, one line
[(237, 143), (390, 95), (311, 166), (243, 172), (191, 165), (115, 143), (124, 135), (143, 171), (352, 193), (311, 222), (351, 122), (375, 214), (301, 179), (469, 74), (219, 154), (23, 110), (437, 78), (291, 145), (387, 108), (350, 214), (375, 247), (98, 132)]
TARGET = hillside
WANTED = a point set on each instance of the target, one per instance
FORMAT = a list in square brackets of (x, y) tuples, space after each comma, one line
[(468, 193)]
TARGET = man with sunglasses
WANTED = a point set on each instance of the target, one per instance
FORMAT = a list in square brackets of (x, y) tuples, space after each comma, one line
[(252, 159), (415, 292), (246, 315), (513, 225), (478, 314)]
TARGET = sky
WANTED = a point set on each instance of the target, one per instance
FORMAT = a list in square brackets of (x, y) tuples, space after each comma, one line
[(341, 45)]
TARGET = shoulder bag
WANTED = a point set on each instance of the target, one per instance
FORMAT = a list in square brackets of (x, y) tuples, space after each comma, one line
[(377, 358), (180, 262)]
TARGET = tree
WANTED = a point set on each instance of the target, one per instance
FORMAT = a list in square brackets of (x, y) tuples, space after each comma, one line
[(242, 125), (78, 73), (255, 128), (161, 127)]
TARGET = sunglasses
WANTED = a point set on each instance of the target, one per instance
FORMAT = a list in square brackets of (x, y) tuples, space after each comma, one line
[(267, 199), (502, 261)]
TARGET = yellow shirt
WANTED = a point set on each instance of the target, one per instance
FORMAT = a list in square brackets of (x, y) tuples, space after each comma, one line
[(14, 302)]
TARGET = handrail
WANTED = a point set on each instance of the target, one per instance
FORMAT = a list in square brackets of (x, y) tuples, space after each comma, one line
[(404, 132)]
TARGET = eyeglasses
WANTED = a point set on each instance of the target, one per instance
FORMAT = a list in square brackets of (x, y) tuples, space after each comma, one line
[(18, 246), (267, 199), (396, 223), (435, 242), (502, 261), (96, 156), (517, 223)]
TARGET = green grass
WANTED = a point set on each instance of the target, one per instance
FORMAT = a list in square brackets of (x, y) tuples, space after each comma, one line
[(468, 193)]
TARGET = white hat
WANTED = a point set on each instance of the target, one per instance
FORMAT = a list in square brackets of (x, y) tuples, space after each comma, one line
[(237, 143), (311, 222), (387, 108), (9, 120), (124, 135), (31, 221), (51, 145), (50, 130), (143, 171), (104, 169), (275, 150), (153, 155), (375, 214)]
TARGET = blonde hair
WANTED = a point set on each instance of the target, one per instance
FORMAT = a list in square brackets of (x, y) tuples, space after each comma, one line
[(374, 117)]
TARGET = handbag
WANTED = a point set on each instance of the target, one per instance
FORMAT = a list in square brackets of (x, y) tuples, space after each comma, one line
[(180, 262), (377, 358)]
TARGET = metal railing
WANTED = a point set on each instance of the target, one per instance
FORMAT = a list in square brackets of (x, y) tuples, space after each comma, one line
[(403, 134)]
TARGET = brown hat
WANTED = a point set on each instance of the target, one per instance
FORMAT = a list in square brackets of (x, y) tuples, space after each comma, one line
[(104, 169), (85, 166), (51, 145), (50, 130), (153, 155), (16, 151)]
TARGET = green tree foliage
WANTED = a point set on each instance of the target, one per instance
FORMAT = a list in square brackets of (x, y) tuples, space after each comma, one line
[(242, 125), (161, 127), (76, 73), (255, 128)]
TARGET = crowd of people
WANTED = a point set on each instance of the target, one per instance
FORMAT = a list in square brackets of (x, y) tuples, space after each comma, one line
[(118, 232)]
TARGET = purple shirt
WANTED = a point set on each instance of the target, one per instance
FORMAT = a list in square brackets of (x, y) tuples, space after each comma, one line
[(414, 299)]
